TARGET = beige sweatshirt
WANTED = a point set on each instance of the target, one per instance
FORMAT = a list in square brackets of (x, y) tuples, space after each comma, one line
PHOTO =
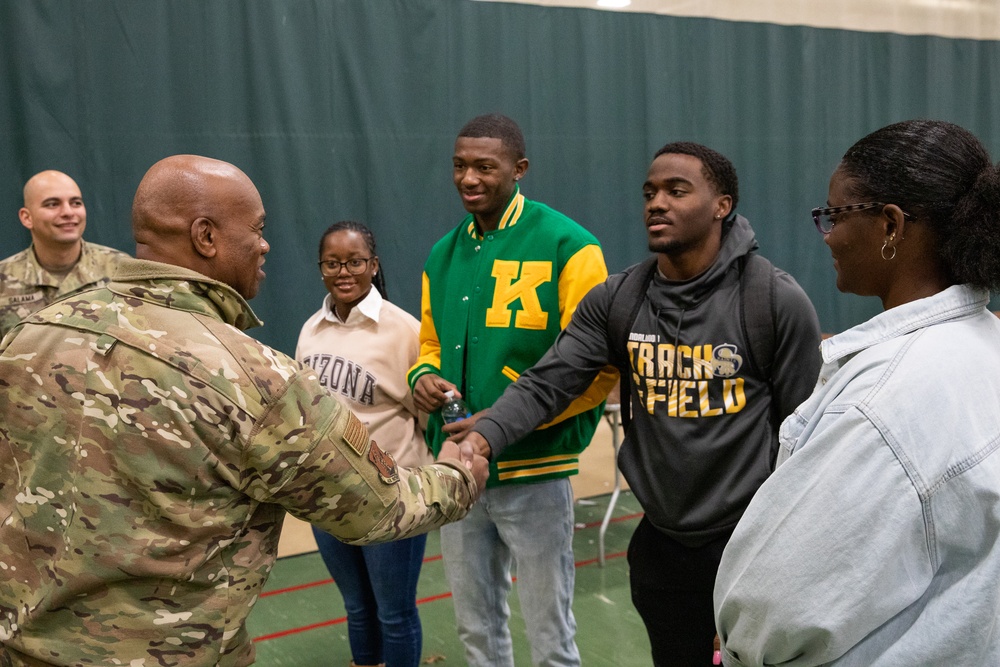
[(363, 362)]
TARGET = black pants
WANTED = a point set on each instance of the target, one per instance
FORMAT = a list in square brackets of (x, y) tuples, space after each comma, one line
[(672, 590)]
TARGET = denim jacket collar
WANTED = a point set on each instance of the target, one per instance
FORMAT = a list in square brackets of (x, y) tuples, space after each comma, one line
[(954, 302)]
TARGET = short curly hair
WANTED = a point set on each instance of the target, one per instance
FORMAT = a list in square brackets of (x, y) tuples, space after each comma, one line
[(496, 126), (716, 167)]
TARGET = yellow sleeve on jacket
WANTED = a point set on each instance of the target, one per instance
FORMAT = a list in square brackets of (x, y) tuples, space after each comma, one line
[(429, 359), (584, 270)]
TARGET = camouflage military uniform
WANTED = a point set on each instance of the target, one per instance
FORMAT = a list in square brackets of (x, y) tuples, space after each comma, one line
[(26, 287), (148, 452)]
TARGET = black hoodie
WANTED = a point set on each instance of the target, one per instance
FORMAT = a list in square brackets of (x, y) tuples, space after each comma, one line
[(701, 440)]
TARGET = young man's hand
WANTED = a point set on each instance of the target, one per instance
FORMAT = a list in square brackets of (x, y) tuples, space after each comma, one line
[(458, 430), (428, 392), (479, 444), (466, 453)]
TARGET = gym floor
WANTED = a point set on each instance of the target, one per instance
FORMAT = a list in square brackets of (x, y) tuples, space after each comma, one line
[(299, 620)]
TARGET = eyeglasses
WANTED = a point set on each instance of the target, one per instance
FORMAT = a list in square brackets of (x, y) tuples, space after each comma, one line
[(823, 217), (355, 266)]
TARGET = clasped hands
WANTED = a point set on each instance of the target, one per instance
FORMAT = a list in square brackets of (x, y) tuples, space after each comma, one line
[(462, 443)]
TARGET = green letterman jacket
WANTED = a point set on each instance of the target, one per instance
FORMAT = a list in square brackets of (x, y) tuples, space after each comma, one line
[(492, 305)]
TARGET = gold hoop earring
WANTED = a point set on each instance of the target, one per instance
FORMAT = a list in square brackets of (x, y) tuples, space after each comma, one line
[(890, 257)]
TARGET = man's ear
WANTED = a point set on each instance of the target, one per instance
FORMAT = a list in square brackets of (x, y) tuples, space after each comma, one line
[(723, 206), (25, 215), (203, 237), (520, 168)]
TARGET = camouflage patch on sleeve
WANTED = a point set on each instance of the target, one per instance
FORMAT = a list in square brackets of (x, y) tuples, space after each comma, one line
[(356, 435)]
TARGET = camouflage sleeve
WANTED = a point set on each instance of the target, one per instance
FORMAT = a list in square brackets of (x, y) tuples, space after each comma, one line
[(314, 457)]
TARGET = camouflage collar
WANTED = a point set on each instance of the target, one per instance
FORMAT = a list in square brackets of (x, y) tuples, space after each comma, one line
[(183, 289), (28, 270)]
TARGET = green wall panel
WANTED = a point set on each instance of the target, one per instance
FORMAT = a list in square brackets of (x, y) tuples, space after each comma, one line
[(349, 108)]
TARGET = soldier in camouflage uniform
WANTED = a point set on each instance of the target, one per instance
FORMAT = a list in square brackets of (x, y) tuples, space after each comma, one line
[(58, 260), (149, 449)]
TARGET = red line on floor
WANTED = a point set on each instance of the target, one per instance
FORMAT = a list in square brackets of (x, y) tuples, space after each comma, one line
[(292, 589), (627, 517), (432, 598), (430, 559), (334, 621), (304, 628), (342, 619), (591, 561), (321, 582)]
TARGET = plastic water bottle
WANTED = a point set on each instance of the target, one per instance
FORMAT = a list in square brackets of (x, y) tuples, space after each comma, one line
[(454, 409)]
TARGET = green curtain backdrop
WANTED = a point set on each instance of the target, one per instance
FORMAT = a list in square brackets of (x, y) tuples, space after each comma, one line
[(349, 109)]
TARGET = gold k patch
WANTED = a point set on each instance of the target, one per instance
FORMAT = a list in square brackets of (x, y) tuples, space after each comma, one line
[(355, 434), (384, 463)]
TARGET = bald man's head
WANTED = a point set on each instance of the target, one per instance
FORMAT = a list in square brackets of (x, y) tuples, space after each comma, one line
[(202, 214), (53, 210)]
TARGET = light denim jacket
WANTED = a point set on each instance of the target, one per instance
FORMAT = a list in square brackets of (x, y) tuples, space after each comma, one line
[(877, 539)]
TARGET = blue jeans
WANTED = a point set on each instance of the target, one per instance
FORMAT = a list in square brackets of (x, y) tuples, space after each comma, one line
[(530, 525), (379, 585)]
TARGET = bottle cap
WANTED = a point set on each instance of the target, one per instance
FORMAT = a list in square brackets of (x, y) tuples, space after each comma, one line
[(450, 393)]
